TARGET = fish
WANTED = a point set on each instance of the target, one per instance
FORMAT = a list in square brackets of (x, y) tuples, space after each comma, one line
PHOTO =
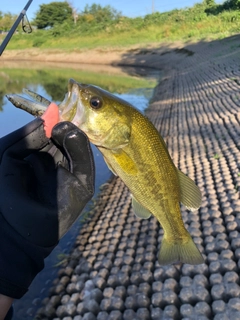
[(134, 151)]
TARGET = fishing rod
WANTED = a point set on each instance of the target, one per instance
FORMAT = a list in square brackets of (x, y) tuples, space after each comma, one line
[(14, 27)]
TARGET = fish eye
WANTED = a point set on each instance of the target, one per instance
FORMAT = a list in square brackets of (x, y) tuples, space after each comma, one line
[(96, 102)]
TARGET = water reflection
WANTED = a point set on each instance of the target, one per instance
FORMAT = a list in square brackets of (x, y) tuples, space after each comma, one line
[(50, 80)]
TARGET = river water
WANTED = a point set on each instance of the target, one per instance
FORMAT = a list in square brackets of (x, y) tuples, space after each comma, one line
[(134, 85)]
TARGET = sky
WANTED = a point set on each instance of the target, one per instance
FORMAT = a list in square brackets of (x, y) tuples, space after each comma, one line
[(130, 8)]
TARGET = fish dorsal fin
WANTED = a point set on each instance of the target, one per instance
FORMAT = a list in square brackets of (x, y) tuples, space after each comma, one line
[(191, 195), (140, 211), (125, 162)]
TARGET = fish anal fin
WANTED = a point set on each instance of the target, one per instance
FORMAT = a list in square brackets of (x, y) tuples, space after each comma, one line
[(190, 193), (181, 251), (140, 211)]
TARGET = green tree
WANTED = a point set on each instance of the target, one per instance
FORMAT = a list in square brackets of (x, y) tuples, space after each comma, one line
[(101, 14), (7, 20), (209, 3), (52, 13), (231, 5)]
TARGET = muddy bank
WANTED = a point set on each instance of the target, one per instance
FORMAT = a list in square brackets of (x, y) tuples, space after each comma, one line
[(148, 56), (160, 56)]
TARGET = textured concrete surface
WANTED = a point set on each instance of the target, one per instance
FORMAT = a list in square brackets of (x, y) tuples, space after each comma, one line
[(113, 272)]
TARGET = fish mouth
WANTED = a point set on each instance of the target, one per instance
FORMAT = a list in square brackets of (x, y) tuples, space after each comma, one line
[(71, 108)]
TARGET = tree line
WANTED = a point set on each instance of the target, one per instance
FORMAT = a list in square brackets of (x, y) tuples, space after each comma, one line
[(60, 16), (56, 13), (6, 20)]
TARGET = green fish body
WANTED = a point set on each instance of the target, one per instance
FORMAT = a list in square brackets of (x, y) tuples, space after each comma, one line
[(146, 168), (134, 150)]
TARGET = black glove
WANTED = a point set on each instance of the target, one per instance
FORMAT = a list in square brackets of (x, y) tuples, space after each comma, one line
[(44, 186)]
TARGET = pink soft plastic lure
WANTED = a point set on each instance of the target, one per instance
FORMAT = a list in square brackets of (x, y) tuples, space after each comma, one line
[(51, 118)]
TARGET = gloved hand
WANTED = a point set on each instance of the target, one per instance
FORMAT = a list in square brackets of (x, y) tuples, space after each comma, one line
[(44, 186)]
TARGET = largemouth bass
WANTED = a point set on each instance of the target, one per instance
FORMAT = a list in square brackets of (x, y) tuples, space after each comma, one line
[(134, 150)]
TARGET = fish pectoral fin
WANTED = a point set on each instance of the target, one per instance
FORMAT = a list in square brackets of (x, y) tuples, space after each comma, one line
[(125, 162), (191, 195), (179, 251), (140, 211)]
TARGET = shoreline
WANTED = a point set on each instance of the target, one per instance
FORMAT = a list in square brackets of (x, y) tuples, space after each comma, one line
[(164, 56), (150, 57)]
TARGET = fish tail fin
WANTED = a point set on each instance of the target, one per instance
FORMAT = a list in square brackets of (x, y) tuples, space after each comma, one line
[(182, 251)]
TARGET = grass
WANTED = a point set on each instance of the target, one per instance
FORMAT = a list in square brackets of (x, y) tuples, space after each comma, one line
[(217, 156), (189, 24)]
